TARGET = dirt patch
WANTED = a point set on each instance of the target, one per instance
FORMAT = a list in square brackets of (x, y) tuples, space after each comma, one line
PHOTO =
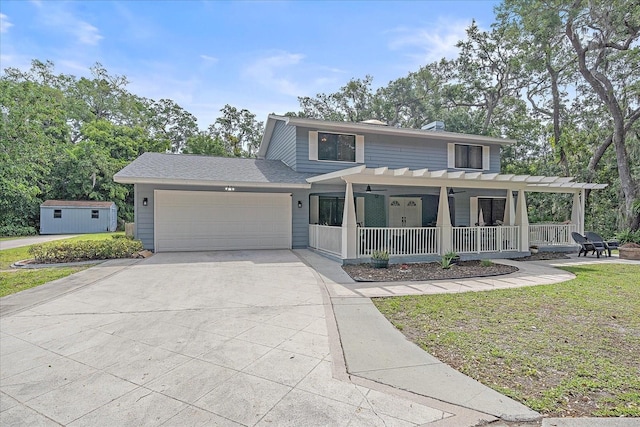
[(425, 271)]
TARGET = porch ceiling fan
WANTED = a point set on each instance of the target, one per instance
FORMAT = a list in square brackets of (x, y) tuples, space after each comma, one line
[(452, 192), (369, 189)]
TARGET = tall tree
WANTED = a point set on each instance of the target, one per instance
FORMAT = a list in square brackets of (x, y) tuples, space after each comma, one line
[(603, 40), (171, 122), (486, 73), (204, 144), (238, 130), (352, 103)]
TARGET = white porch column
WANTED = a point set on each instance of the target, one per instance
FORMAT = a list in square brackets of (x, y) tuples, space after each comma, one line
[(349, 227), (577, 215), (582, 202), (509, 209), (444, 222), (522, 220)]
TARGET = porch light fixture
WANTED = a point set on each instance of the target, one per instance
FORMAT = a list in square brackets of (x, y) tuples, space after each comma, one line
[(229, 188), (145, 201), (368, 190), (299, 203)]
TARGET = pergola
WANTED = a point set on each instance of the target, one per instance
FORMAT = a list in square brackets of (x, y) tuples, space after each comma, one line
[(515, 214)]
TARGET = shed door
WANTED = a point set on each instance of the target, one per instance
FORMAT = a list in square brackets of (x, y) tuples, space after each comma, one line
[(206, 221)]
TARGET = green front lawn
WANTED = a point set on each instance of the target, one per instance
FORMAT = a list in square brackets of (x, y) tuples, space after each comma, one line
[(18, 280), (568, 349)]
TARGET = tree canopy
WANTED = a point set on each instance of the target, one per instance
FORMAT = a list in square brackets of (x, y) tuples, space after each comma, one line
[(560, 77)]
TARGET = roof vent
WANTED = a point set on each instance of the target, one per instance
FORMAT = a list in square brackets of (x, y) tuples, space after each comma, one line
[(437, 126), (374, 122)]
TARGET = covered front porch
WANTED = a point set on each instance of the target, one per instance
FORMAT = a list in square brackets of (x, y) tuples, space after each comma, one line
[(504, 234)]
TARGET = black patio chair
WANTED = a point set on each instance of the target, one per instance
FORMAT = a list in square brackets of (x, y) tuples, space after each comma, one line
[(597, 239), (586, 245)]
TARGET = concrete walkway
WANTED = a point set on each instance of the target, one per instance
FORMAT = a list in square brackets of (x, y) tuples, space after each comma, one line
[(32, 240), (375, 350)]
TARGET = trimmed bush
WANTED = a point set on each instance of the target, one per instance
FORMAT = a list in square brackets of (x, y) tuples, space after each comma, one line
[(17, 230), (84, 250)]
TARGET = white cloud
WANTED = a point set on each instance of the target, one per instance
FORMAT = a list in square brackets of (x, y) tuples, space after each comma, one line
[(86, 33), (58, 16), (4, 23), (430, 44), (208, 58), (274, 71)]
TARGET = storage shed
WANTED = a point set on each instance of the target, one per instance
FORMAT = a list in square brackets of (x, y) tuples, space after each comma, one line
[(77, 216)]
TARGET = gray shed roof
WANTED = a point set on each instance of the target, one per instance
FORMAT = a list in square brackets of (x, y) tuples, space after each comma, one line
[(76, 204), (158, 168)]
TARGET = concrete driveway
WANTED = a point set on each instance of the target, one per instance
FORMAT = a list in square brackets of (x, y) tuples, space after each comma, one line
[(180, 339)]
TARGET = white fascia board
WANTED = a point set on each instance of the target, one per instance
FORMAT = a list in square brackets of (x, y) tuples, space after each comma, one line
[(266, 137), (337, 174), (204, 183)]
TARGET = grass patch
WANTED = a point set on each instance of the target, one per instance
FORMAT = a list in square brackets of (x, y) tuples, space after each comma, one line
[(568, 349), (18, 280)]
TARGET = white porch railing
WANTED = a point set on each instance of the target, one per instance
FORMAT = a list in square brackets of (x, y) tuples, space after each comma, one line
[(399, 241), (326, 238), (485, 239), (551, 234)]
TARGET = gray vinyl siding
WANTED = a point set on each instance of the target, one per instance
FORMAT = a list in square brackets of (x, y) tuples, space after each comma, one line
[(393, 152), (144, 214), (76, 220), (283, 144)]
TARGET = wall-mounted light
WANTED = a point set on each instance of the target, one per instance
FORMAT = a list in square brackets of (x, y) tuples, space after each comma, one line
[(368, 190), (145, 201), (299, 203), (229, 188)]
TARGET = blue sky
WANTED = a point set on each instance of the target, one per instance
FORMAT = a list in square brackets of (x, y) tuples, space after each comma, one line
[(258, 55)]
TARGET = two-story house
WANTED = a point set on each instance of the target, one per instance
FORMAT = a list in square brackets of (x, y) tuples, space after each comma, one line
[(347, 189)]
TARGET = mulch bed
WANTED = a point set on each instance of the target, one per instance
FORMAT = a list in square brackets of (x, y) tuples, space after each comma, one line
[(543, 256), (424, 271)]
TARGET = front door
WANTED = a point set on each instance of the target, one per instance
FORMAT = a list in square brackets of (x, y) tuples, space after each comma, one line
[(405, 212)]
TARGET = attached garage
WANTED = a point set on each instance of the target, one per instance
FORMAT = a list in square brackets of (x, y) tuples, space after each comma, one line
[(208, 220)]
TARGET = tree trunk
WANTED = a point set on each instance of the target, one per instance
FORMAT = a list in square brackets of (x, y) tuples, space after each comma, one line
[(604, 89)]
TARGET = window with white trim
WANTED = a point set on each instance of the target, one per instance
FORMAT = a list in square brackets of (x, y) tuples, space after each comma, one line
[(336, 147), (468, 156)]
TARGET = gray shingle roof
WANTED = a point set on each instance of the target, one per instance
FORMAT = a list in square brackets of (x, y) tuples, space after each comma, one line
[(158, 167)]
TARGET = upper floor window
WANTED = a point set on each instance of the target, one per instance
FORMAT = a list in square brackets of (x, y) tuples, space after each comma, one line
[(338, 147), (466, 156)]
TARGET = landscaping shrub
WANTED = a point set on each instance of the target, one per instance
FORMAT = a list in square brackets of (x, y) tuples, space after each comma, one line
[(84, 250), (628, 236), (17, 230), (122, 236)]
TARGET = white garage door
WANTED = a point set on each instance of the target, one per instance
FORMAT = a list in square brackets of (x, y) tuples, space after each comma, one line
[(207, 221)]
